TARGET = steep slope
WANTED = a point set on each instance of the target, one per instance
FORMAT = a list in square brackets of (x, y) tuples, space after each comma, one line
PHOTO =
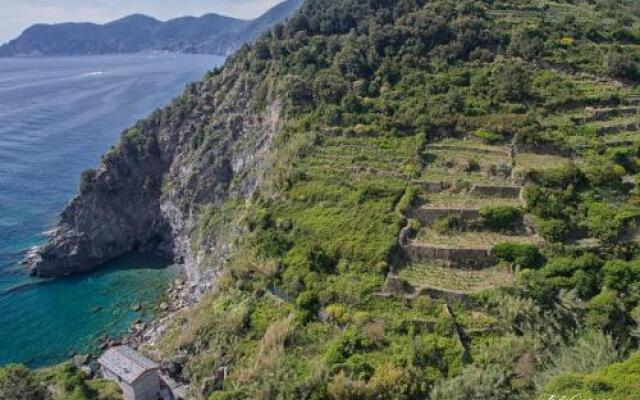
[(146, 192), (208, 34), (443, 205)]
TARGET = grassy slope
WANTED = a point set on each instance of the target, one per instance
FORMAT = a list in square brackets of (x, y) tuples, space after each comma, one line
[(617, 381)]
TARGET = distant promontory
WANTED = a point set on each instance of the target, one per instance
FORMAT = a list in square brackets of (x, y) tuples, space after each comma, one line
[(208, 34)]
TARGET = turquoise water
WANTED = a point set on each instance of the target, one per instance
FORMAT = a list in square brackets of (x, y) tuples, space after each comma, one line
[(57, 116)]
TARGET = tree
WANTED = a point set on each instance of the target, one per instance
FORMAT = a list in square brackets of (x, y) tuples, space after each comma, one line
[(330, 87), (527, 42), (510, 81)]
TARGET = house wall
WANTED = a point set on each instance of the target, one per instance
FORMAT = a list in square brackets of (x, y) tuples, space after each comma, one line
[(146, 387), (127, 390)]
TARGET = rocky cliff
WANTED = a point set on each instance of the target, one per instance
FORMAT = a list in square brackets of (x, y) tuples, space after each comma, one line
[(209, 144)]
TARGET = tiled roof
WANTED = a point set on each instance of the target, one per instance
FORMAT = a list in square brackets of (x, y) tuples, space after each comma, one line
[(127, 363)]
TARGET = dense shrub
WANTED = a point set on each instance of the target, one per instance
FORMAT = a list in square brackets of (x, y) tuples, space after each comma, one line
[(500, 218), (17, 382), (621, 65), (616, 381), (606, 312), (548, 203), (622, 276), (582, 274), (86, 179), (557, 177), (603, 222), (271, 243), (553, 230), (525, 255), (448, 224), (308, 305), (510, 81), (527, 42), (488, 137), (608, 174)]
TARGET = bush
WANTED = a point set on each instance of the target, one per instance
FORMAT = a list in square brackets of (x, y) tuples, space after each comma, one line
[(553, 230), (616, 381), (407, 200), (337, 313), (608, 175), (449, 223), (547, 203), (621, 276), (525, 255), (308, 305), (603, 222), (510, 82), (621, 65), (605, 312), (527, 42), (271, 243), (472, 166), (86, 179), (500, 218), (488, 137), (581, 274), (558, 177), (18, 382), (477, 383)]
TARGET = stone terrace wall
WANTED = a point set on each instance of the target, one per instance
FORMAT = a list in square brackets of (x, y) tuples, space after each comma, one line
[(502, 192), (427, 216), (463, 258)]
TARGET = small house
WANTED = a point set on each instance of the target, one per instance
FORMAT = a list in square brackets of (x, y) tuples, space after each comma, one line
[(138, 376)]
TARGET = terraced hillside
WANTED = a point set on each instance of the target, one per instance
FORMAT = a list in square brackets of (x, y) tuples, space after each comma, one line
[(447, 207)]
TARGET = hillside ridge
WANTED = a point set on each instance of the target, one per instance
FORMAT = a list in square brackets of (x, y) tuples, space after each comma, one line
[(207, 34)]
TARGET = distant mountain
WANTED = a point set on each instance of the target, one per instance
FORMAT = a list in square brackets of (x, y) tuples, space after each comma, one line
[(208, 34)]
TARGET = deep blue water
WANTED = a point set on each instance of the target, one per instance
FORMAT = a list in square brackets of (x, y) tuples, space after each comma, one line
[(57, 116)]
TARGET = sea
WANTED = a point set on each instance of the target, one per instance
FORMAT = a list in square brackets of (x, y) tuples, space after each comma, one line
[(57, 116)]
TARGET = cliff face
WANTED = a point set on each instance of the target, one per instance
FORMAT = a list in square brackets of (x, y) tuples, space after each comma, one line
[(209, 144)]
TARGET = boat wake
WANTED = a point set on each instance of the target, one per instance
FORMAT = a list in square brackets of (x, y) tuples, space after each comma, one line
[(95, 73)]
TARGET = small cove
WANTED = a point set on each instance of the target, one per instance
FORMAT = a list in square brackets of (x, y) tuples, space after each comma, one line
[(57, 116)]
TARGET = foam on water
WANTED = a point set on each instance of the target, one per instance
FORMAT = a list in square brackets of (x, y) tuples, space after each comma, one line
[(57, 116)]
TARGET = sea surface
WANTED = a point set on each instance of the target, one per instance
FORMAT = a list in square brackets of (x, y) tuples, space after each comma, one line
[(57, 116)]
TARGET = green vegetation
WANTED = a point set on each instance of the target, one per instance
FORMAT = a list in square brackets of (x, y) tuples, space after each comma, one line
[(500, 218), (525, 255), (391, 105), (64, 382), (617, 381)]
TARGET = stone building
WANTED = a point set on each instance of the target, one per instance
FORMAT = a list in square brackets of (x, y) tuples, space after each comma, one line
[(137, 375)]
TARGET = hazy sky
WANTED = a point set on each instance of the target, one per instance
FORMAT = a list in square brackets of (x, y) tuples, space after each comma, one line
[(17, 15)]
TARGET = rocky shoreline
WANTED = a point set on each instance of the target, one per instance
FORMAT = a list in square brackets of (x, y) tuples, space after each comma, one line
[(145, 335), (180, 295)]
